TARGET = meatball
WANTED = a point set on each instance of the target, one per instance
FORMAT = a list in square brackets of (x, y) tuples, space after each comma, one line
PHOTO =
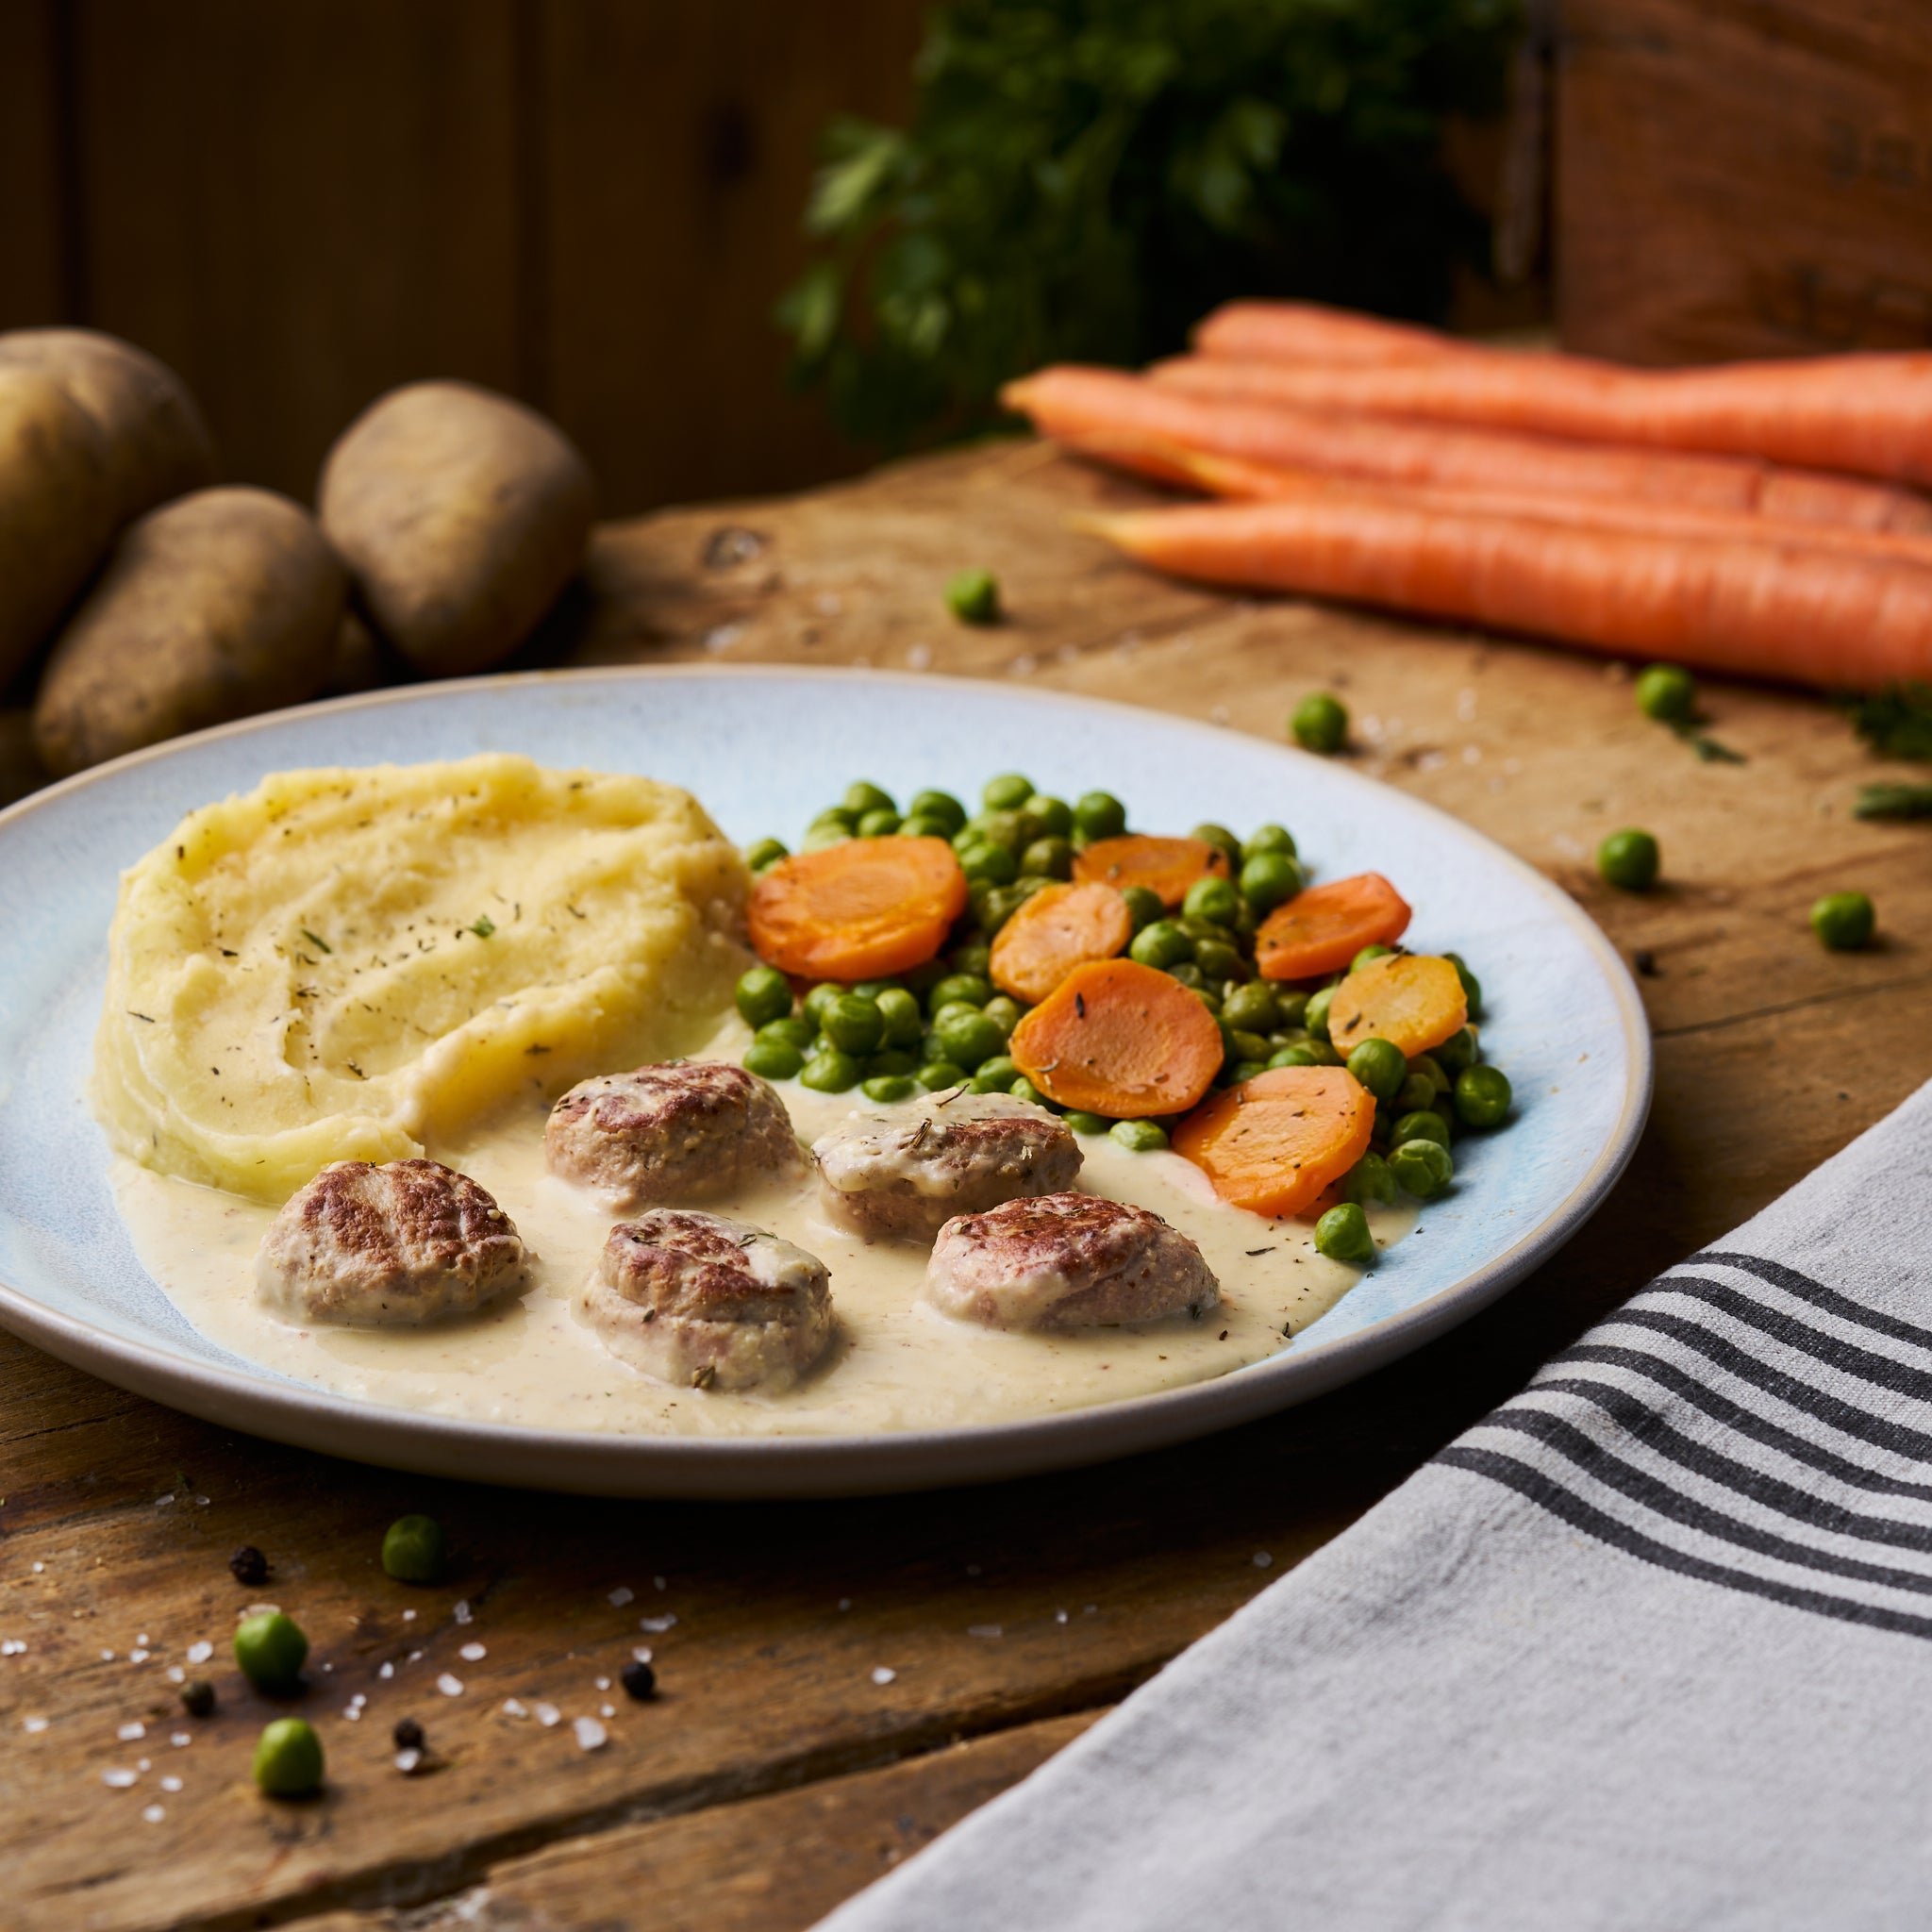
[(689, 1130), (713, 1304), (1066, 1261), (903, 1176), (396, 1245)]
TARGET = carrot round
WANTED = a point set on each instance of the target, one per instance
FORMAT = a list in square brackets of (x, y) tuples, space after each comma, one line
[(1412, 1000), (1275, 1142), (1093, 408), (1753, 606), (1322, 928), (1058, 928), (1870, 414), (1167, 866), (861, 909), (1118, 1037)]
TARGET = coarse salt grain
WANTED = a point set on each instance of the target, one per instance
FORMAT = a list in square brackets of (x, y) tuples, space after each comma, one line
[(407, 1761), (462, 1612), (642, 1653), (606, 1710), (1059, 1616), (658, 1626), (473, 1652), (601, 1683), (658, 1583), (1261, 1559), (620, 1595), (137, 1657), (984, 1630), (199, 1653), (409, 1617), (154, 1814), (918, 658), (142, 1638), (387, 1671), (180, 1739), (170, 1783), (353, 1712), (547, 1714), (414, 1656), (33, 1723), (882, 1675), (107, 1657), (176, 1674), (13, 1646), (127, 1733), (38, 1568), (449, 1686), (141, 1764), (590, 1734), (117, 1779)]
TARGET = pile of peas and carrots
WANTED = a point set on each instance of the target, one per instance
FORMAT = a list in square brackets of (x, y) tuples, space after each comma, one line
[(944, 1022)]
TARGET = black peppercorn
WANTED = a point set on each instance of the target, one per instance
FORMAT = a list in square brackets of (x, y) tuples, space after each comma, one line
[(198, 1698), (407, 1734), (249, 1566), (639, 1681)]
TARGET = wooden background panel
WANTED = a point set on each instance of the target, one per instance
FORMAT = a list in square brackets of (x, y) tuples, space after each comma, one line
[(1742, 177), (680, 141), (31, 188)]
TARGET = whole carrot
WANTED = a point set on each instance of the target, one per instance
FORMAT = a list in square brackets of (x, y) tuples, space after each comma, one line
[(1071, 402), (1308, 332), (1871, 414), (1754, 609)]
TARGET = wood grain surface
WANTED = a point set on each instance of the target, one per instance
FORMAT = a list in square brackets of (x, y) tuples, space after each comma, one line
[(779, 1770)]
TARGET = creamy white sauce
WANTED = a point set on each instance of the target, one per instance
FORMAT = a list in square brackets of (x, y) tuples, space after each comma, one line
[(894, 1363)]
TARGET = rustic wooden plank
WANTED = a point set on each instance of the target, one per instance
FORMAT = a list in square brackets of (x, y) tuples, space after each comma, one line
[(680, 142), (1740, 177), (32, 282), (299, 205)]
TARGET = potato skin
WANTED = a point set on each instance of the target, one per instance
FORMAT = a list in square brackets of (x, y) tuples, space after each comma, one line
[(57, 509), (214, 607), (158, 448), (461, 516)]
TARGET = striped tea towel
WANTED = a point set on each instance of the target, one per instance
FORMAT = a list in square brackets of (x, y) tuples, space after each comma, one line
[(1646, 1648)]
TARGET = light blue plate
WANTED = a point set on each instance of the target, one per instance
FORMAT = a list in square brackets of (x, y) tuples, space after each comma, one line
[(764, 749)]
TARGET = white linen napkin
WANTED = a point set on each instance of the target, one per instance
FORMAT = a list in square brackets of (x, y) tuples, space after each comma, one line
[(1647, 1647)]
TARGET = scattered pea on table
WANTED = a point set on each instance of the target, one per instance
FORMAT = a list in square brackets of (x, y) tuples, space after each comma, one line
[(412, 1549), (1667, 693), (270, 1650), (1629, 860), (1844, 921), (973, 596), (288, 1760), (1319, 724)]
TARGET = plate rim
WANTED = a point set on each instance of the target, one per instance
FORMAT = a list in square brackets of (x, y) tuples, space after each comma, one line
[(611, 1463)]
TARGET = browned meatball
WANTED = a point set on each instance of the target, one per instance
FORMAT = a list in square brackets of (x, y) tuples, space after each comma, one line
[(1066, 1261), (708, 1303), (689, 1130), (904, 1175), (396, 1245)]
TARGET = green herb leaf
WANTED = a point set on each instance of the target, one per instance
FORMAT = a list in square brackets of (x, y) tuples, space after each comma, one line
[(321, 945), (484, 926), (1896, 722), (1893, 802)]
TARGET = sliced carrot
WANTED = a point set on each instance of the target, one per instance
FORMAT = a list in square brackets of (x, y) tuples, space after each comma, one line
[(861, 909), (1118, 1037), (1322, 929), (1275, 1142), (1167, 866), (1412, 1000), (1058, 928)]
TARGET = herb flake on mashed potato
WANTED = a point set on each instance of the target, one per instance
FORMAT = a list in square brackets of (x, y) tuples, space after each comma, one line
[(346, 964)]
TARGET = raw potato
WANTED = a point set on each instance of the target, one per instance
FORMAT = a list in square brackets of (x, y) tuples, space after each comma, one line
[(57, 509), (461, 516), (158, 445), (221, 604)]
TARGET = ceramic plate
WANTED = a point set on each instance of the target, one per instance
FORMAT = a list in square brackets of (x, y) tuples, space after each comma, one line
[(763, 749)]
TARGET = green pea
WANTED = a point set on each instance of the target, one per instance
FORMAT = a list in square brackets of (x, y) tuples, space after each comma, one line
[(763, 994), (918, 980), (936, 1075), (986, 864), (794, 1030), (830, 1071), (1255, 1006), (1099, 815), (1325, 1055), (766, 854), (1008, 792), (878, 825), (837, 815), (1422, 1168), (1483, 1096), (938, 805), (819, 998), (904, 1022), (1015, 830), (269, 1648), (994, 904), (974, 956), (1667, 693), (1212, 898), (772, 1060), (1242, 1044), (1294, 1007), (1426, 1067), (873, 988), (1023, 1088), (853, 1024), (1379, 1065), (1139, 1137), (1219, 961), (1629, 860), (1087, 1123), (1320, 723), (1845, 921), (973, 596), (967, 988), (1198, 929), (1315, 1014), (1417, 1092), (891, 1060), (1456, 1052), (1369, 1179), (1005, 1013), (888, 1088), (915, 826), (1056, 815), (1235, 1072), (1424, 1125), (863, 796), (412, 1549), (287, 1758), (1144, 905), (1268, 839), (997, 1075), (1472, 986), (1195, 980), (1270, 879), (1221, 840), (1368, 954), (1343, 1235), (1049, 858), (1165, 944), (824, 832), (969, 1039), (1294, 1057)]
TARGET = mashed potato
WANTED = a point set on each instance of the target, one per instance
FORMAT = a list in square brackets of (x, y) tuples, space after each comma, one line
[(342, 963)]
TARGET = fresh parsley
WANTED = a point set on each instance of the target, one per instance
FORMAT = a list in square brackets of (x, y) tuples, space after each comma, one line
[(1896, 722)]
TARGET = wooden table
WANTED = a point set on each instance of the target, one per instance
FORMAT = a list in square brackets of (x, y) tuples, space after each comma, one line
[(782, 1767)]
